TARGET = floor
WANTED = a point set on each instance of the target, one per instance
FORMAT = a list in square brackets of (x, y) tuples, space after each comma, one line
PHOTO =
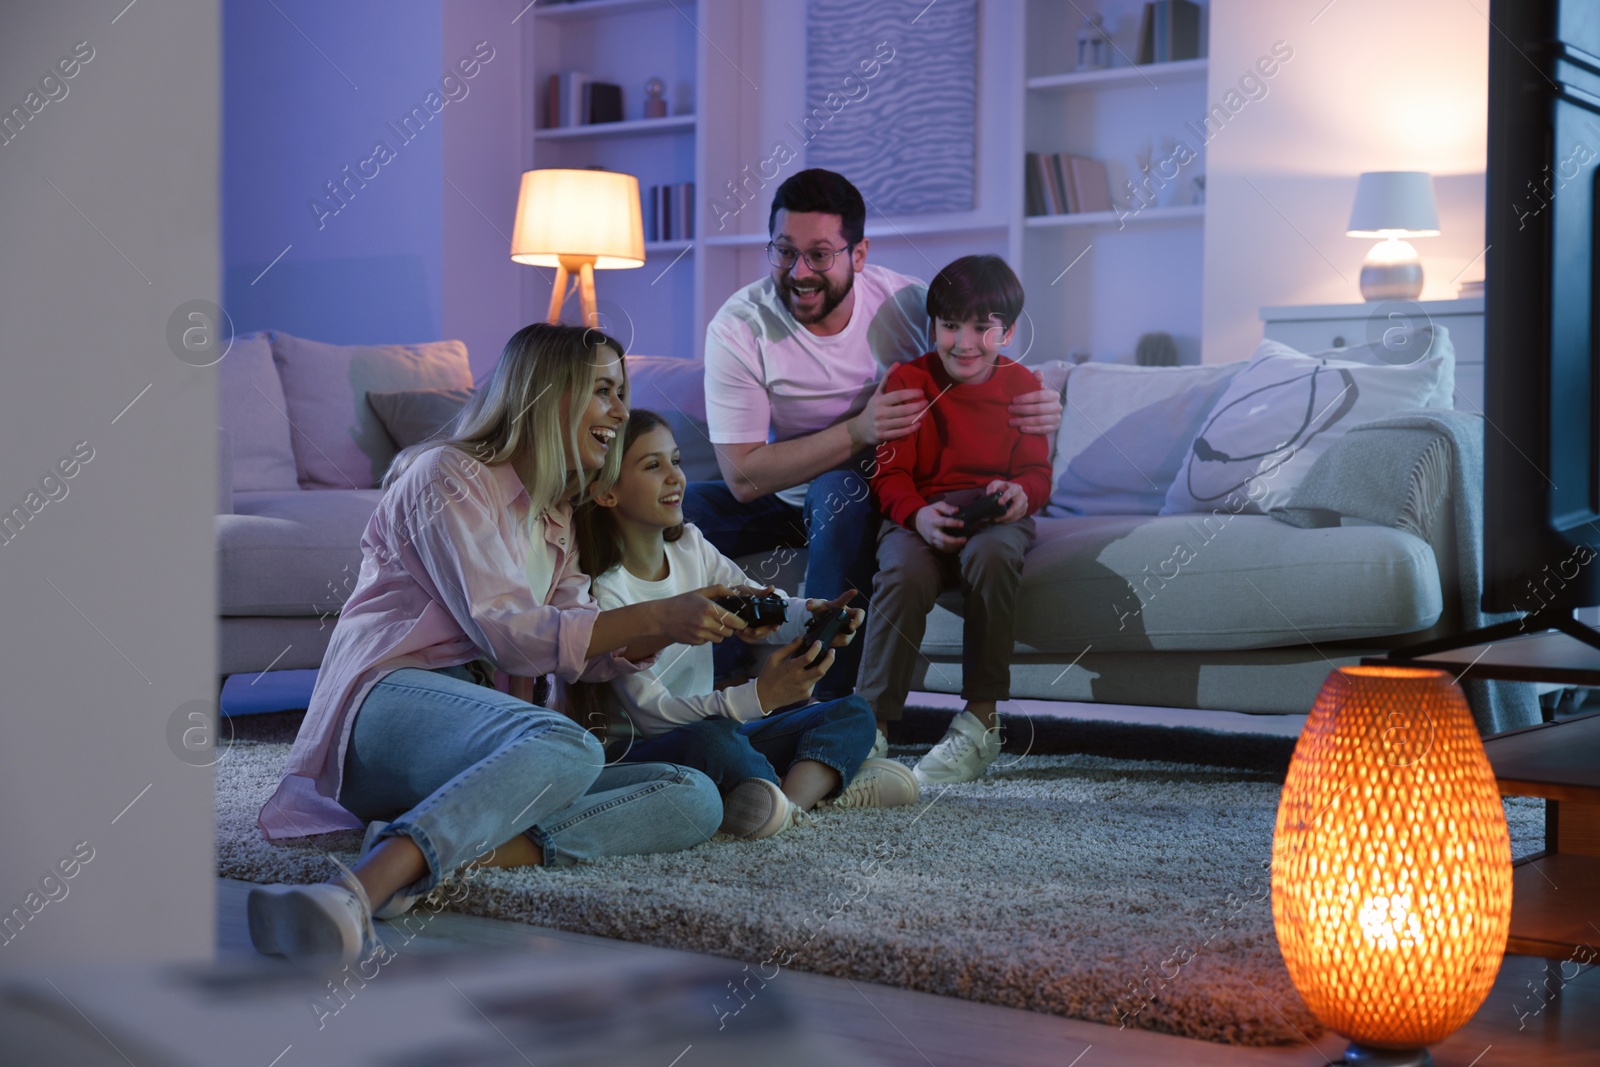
[(896, 1027), (1516, 1027)]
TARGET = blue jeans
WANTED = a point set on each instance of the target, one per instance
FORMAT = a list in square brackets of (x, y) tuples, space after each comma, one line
[(838, 733), (840, 524), (460, 769)]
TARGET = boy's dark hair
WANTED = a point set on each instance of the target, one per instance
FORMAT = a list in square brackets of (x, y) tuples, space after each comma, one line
[(824, 192), (594, 527), (975, 287)]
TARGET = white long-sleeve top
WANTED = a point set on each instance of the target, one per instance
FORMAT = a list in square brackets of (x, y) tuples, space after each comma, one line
[(678, 688)]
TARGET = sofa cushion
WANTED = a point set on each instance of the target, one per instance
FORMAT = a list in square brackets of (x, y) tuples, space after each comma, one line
[(1125, 432), (1122, 583), (252, 408), (1278, 415), (417, 415), (1396, 342), (338, 441), (294, 553), (675, 389)]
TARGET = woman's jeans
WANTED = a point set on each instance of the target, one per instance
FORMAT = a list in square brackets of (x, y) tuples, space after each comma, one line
[(460, 769), (838, 733)]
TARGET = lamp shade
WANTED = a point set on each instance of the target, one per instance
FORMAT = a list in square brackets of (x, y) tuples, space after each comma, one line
[(1394, 203), (578, 213), (1391, 863)]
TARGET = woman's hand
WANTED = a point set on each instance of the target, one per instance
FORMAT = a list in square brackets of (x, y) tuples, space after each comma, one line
[(853, 617), (1013, 496), (693, 619), (786, 679), (935, 521)]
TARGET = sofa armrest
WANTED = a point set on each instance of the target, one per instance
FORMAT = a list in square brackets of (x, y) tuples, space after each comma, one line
[(224, 471), (1397, 477)]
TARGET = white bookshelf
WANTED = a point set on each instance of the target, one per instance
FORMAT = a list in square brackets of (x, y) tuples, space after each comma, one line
[(1106, 277), (1130, 270), (627, 128)]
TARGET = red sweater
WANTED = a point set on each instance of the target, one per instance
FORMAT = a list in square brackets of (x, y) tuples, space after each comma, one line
[(963, 441)]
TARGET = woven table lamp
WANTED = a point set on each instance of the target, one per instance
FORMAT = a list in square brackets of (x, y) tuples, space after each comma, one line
[(1391, 863)]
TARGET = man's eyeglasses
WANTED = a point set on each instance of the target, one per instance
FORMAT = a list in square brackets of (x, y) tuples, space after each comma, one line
[(818, 259)]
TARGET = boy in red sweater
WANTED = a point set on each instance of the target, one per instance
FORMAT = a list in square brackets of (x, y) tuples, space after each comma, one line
[(964, 447)]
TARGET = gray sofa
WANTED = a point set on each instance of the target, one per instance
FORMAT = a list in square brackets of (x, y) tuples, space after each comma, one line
[(1252, 622)]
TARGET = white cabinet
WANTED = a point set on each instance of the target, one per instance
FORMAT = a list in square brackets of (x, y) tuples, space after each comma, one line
[(1319, 327)]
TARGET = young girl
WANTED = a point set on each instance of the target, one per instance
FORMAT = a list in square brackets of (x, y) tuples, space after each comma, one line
[(468, 569), (770, 765)]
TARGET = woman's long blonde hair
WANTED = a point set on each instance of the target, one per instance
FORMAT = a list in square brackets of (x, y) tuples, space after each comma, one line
[(515, 417)]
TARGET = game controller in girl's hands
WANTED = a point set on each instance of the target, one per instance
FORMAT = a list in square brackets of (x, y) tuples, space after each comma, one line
[(824, 627)]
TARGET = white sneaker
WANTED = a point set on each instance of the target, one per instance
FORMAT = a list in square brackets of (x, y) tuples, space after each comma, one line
[(312, 922), (398, 904), (880, 747), (757, 808), (963, 755), (880, 783)]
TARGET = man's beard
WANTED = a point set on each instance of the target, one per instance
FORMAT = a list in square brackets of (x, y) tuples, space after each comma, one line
[(832, 296)]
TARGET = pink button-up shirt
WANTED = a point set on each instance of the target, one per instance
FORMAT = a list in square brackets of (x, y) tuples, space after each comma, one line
[(444, 580)]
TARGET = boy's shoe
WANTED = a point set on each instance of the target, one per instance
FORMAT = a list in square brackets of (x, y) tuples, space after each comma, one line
[(880, 783), (963, 755), (398, 904), (757, 808), (880, 747), (312, 922)]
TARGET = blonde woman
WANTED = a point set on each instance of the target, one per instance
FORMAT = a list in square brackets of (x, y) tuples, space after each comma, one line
[(469, 568)]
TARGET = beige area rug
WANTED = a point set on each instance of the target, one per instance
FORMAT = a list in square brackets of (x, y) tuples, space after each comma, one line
[(1119, 891)]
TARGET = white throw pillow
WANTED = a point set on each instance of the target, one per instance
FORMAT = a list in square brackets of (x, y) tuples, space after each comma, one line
[(1396, 344), (1278, 415), (1126, 431)]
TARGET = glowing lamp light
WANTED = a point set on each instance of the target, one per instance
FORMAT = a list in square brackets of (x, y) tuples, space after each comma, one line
[(1391, 863), (578, 221), (1393, 204)]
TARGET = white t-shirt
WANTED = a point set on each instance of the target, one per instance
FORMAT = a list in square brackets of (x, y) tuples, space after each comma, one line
[(678, 689), (768, 378)]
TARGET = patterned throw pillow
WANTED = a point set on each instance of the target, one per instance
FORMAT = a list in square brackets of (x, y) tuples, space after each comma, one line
[(1278, 415), (1125, 431)]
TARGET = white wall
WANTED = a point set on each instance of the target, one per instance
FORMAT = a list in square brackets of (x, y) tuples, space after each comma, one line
[(108, 223), (1372, 85), (482, 170)]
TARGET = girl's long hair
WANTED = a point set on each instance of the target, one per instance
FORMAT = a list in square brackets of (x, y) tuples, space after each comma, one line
[(598, 535), (592, 704), (515, 417)]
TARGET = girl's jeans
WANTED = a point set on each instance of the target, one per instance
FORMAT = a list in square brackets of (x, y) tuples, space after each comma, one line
[(461, 769), (838, 733)]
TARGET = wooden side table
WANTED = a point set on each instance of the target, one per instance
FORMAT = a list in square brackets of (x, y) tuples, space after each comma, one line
[(1555, 909)]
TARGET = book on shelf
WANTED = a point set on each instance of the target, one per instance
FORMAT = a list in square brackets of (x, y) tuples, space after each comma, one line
[(671, 213), (573, 98), (602, 102), (1169, 30), (1061, 183)]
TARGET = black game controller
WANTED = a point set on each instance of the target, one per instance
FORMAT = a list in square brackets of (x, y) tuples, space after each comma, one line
[(757, 610), (980, 513), (824, 628)]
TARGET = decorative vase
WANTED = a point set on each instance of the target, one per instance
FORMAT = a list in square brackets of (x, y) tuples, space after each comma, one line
[(1391, 863)]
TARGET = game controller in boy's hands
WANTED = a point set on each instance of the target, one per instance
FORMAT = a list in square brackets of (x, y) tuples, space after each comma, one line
[(980, 513), (758, 610)]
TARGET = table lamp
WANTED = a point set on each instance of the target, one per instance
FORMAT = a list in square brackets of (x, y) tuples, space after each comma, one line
[(578, 221), (1391, 863), (1393, 204)]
